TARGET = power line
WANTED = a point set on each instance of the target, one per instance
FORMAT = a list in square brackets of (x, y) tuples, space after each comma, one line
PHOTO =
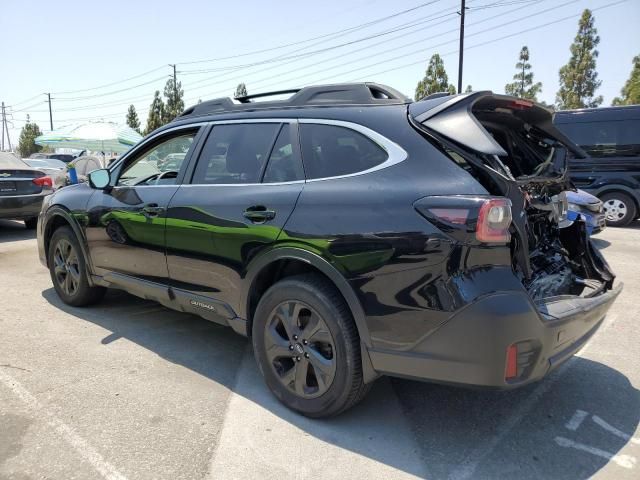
[(494, 40), (396, 48)]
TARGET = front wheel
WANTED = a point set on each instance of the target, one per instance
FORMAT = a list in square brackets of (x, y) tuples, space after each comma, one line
[(307, 346), (68, 270), (619, 208)]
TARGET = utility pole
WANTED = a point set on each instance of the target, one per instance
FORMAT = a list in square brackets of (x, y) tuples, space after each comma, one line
[(3, 121), (461, 51), (5, 126), (50, 115), (175, 86)]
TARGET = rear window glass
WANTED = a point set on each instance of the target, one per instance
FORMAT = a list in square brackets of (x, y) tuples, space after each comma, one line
[(8, 160), (330, 151), (605, 139)]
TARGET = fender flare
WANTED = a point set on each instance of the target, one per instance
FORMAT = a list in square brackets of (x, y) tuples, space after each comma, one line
[(292, 253), (59, 211)]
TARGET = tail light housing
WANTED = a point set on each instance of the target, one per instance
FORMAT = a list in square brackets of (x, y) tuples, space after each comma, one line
[(494, 219), (43, 181), (469, 218)]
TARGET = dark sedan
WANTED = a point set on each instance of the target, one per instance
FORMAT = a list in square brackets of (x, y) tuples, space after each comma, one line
[(22, 189)]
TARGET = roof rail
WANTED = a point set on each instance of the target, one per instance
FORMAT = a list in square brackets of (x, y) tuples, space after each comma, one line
[(317, 95)]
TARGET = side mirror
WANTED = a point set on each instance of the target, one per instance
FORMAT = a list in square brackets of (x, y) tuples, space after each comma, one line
[(99, 179)]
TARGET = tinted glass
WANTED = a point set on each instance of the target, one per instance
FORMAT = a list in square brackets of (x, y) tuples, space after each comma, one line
[(284, 165), (329, 151), (235, 153), (150, 165), (605, 139)]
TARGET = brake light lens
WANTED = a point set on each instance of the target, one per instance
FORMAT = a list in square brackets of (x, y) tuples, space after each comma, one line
[(43, 181), (520, 104), (494, 219)]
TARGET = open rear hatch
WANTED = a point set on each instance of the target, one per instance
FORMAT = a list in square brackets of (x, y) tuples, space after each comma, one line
[(512, 148)]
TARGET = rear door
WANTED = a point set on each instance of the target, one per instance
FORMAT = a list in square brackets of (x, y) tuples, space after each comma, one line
[(243, 188)]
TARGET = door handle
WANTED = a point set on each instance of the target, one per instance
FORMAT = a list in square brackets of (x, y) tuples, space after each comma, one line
[(152, 210), (259, 214)]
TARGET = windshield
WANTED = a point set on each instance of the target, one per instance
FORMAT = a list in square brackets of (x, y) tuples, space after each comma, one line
[(9, 160)]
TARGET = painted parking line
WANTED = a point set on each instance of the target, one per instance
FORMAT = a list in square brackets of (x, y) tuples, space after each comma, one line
[(79, 444), (576, 420), (626, 461), (261, 438), (467, 468), (618, 433)]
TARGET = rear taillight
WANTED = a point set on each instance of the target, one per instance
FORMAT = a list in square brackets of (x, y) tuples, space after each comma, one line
[(43, 181), (468, 217), (511, 367), (494, 219)]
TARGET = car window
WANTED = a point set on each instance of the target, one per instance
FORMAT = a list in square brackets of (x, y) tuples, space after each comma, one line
[(148, 168), (330, 150), (9, 160), (284, 165), (605, 139), (235, 153)]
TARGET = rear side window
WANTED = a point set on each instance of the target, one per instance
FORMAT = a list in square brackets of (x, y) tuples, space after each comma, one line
[(605, 139), (330, 151), (235, 153)]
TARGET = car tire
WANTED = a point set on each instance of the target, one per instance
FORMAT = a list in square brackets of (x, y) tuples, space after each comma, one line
[(620, 209), (67, 266), (31, 223), (318, 376)]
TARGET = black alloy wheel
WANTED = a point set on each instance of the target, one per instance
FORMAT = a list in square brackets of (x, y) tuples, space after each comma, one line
[(300, 349), (66, 267)]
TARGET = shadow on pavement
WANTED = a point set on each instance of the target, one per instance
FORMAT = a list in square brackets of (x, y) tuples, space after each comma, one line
[(600, 243), (449, 425), (12, 231)]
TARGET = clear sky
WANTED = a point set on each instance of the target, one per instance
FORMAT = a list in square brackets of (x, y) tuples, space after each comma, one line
[(70, 47)]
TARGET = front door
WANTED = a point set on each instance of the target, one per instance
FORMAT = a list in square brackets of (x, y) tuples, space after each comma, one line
[(126, 224), (244, 186)]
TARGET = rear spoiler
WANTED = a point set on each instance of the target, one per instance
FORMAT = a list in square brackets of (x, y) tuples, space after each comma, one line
[(453, 117)]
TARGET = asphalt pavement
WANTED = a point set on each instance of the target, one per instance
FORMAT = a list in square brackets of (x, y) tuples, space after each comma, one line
[(130, 390)]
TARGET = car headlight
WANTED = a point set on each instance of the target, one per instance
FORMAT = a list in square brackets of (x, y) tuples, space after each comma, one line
[(574, 207)]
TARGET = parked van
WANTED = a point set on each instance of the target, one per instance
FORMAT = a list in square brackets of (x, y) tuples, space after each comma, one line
[(611, 137)]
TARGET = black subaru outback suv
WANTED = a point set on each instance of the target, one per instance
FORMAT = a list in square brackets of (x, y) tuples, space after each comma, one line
[(350, 233)]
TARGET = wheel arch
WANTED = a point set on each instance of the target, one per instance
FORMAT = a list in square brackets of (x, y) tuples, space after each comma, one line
[(283, 262), (57, 217), (276, 264), (612, 188)]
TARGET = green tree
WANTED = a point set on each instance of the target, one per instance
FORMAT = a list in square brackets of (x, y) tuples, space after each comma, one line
[(435, 79), (522, 85), (241, 91), (631, 90), (578, 78), (132, 118), (469, 89), (26, 142), (156, 114), (174, 105)]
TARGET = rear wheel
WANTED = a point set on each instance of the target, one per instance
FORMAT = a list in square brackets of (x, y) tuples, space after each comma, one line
[(620, 209), (307, 346), (67, 266), (31, 223)]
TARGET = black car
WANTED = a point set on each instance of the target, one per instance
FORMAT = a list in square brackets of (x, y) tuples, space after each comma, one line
[(22, 189), (611, 138), (350, 233), (64, 157)]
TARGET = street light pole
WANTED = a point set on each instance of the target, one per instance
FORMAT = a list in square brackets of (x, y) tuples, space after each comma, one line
[(461, 51)]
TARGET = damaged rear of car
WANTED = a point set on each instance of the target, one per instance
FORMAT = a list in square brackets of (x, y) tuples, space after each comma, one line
[(512, 149)]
